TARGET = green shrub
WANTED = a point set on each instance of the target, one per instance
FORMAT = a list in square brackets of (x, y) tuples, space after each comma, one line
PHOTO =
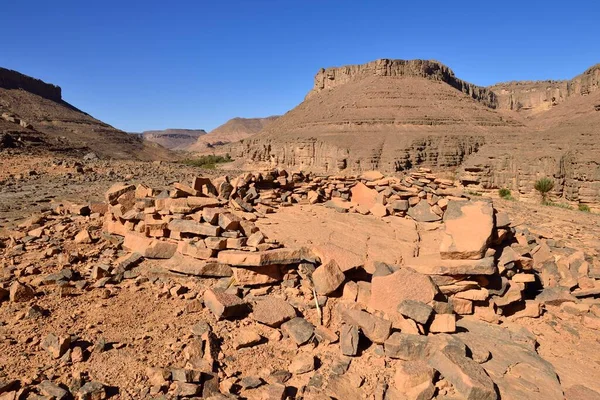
[(472, 193), (584, 208), (505, 193), (544, 186), (207, 162)]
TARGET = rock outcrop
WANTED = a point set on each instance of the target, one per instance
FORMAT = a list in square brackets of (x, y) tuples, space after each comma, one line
[(538, 96), (10, 79), (328, 78), (562, 145)]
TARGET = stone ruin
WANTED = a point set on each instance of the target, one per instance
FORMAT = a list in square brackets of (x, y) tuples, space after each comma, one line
[(442, 323)]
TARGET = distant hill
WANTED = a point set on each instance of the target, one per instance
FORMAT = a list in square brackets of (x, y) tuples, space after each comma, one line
[(231, 131), (174, 139), (35, 118)]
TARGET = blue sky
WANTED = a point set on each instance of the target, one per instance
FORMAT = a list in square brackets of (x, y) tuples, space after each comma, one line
[(141, 65)]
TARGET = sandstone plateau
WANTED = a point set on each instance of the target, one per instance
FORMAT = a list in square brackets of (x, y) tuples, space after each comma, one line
[(394, 115)]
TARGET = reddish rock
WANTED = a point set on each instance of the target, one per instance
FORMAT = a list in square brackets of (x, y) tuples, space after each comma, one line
[(224, 305), (375, 328), (267, 257), (466, 375), (345, 258), (422, 212), (379, 210), (258, 275), (83, 237), (387, 292), (117, 190), (443, 323), (20, 292), (55, 345), (299, 330), (363, 196), (196, 250), (328, 278), (468, 230), (349, 340), (192, 266), (193, 227), (273, 311), (580, 392), (149, 247)]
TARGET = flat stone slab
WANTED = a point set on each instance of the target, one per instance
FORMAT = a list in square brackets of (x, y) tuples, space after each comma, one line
[(283, 256), (192, 266), (435, 265), (514, 365), (350, 239)]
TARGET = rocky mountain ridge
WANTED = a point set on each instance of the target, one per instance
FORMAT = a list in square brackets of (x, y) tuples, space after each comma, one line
[(231, 131), (10, 79), (328, 78), (35, 119), (537, 96), (174, 139)]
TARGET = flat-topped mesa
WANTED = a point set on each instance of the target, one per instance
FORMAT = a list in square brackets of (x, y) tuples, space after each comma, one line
[(543, 95), (328, 78), (10, 79)]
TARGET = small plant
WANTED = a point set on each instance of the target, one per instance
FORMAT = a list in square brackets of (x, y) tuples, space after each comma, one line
[(207, 162), (505, 194), (472, 193), (544, 186), (584, 208)]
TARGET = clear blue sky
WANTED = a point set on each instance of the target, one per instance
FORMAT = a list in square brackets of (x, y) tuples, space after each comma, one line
[(142, 65)]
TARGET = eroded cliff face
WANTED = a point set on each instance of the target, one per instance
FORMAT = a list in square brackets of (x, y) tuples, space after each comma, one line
[(328, 78), (538, 96), (10, 79), (566, 151), (318, 155)]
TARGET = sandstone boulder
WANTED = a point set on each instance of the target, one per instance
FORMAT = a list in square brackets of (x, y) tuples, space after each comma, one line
[(149, 247), (224, 305), (327, 278), (422, 212), (387, 292), (468, 230), (467, 376), (363, 196)]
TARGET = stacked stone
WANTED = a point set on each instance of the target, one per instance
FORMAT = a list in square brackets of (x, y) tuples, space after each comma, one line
[(420, 194)]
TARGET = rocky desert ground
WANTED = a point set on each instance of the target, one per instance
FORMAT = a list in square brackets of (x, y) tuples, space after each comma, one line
[(150, 280), (321, 263)]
